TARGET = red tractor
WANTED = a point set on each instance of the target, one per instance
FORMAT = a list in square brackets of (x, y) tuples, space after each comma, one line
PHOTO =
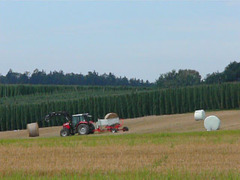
[(77, 123)]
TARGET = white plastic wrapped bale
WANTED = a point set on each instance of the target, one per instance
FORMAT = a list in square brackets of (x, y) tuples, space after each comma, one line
[(199, 115), (33, 130), (212, 123)]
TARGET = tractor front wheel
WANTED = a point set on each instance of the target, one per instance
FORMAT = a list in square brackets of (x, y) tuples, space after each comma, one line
[(64, 132), (83, 129)]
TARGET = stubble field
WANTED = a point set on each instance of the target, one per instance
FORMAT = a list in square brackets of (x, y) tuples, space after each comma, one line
[(156, 147)]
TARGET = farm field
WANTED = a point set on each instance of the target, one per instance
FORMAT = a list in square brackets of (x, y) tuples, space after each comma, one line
[(20, 105), (230, 120), (156, 147)]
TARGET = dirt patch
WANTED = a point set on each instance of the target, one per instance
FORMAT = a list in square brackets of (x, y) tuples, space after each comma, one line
[(152, 124)]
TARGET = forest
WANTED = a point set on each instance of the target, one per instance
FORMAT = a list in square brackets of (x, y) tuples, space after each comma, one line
[(180, 78)]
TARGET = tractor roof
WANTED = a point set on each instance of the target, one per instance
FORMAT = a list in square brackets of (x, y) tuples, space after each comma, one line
[(82, 114)]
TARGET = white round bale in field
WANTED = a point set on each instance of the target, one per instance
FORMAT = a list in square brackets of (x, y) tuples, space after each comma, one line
[(33, 130), (111, 115), (199, 115), (212, 123)]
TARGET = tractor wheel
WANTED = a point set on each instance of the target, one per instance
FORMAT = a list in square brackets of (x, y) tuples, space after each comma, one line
[(64, 132), (91, 129), (125, 129), (83, 129)]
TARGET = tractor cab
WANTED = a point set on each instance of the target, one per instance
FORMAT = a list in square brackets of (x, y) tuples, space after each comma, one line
[(83, 118)]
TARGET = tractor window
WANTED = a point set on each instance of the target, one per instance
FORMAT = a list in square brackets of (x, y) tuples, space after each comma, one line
[(75, 120), (87, 118), (81, 118)]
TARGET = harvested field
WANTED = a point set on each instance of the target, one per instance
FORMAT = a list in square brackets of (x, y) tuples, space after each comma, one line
[(230, 120), (207, 155), (156, 147)]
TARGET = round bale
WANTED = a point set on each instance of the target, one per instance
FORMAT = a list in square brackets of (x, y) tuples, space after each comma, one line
[(212, 123), (111, 116), (33, 129), (199, 115)]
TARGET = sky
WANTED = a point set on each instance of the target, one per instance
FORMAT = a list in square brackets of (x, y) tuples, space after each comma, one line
[(136, 39)]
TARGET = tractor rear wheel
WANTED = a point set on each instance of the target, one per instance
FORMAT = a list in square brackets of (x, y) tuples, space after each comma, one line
[(64, 132), (83, 129)]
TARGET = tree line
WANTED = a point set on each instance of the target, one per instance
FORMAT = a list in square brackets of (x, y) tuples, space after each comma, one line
[(230, 74), (188, 77), (60, 78), (181, 78)]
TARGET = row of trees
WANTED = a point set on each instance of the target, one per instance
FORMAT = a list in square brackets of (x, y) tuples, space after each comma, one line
[(157, 102), (59, 78), (192, 77), (181, 78), (231, 73)]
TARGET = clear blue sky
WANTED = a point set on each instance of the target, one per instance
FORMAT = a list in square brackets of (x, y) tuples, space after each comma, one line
[(134, 39)]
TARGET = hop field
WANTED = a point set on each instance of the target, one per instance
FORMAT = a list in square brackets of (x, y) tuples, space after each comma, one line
[(20, 105)]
